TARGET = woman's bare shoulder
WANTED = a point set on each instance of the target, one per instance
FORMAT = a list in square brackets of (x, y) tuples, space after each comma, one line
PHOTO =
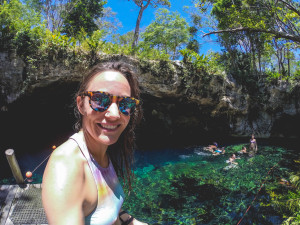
[(63, 182), (68, 148), (65, 164)]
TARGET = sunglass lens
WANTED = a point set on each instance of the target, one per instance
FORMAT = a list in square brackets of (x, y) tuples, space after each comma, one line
[(127, 106), (100, 102)]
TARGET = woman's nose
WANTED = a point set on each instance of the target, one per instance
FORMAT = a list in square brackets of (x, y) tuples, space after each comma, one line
[(113, 111)]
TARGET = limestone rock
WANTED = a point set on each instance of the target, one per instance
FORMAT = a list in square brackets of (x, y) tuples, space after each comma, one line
[(175, 99)]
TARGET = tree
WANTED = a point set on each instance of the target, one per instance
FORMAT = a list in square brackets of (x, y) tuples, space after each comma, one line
[(82, 17), (126, 39), (168, 32), (17, 19), (109, 23), (279, 18), (143, 4), (193, 43), (51, 11), (248, 25)]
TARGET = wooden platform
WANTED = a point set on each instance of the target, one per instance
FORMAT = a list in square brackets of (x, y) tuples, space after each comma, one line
[(21, 205)]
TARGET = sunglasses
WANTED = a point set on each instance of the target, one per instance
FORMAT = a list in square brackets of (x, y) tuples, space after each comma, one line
[(100, 102)]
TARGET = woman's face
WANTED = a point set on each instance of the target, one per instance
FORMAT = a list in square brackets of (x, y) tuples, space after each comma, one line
[(105, 127)]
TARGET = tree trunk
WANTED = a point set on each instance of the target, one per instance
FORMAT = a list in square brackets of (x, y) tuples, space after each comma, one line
[(253, 55), (259, 61), (137, 26), (47, 11), (288, 59)]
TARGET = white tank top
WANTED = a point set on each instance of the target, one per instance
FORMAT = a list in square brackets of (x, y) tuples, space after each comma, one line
[(110, 192)]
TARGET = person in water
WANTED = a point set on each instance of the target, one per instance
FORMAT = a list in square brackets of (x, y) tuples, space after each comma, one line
[(253, 146), (219, 151), (212, 147), (232, 159), (244, 150), (80, 182)]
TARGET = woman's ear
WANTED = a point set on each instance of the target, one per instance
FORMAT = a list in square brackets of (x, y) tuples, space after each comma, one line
[(80, 104)]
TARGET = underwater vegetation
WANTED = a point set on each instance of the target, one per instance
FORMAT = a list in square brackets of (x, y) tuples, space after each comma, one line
[(198, 190)]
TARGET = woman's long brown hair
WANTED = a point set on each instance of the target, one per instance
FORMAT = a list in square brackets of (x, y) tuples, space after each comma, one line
[(120, 153)]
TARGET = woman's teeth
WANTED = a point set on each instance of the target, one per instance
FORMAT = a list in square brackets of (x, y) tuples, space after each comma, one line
[(110, 127)]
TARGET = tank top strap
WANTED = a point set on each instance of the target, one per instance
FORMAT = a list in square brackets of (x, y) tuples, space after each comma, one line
[(109, 190), (80, 140)]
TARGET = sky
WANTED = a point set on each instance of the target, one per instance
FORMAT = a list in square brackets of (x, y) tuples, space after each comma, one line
[(127, 13)]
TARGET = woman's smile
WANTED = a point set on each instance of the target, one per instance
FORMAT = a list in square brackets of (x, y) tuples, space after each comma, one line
[(108, 127)]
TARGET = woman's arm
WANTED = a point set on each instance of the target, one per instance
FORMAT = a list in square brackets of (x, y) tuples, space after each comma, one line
[(62, 188)]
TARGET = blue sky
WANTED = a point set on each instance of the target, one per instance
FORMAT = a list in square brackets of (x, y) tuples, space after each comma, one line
[(127, 13)]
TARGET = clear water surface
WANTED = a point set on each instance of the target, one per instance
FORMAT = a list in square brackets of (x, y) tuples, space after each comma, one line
[(191, 186)]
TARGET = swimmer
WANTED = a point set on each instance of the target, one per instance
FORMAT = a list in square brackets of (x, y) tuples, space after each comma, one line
[(212, 147), (232, 159), (244, 150)]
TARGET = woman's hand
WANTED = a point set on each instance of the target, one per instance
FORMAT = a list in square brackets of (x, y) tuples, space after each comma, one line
[(125, 217)]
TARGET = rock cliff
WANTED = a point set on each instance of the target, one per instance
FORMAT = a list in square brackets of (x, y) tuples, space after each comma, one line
[(178, 101)]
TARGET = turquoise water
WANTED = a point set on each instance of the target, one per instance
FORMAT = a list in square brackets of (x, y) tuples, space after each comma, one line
[(190, 186)]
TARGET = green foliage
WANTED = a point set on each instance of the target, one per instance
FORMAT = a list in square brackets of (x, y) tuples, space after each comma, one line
[(273, 75), (238, 64), (126, 39), (27, 42), (53, 47), (214, 64), (167, 33), (18, 22), (145, 51), (253, 24), (198, 61), (155, 4), (94, 42), (82, 16), (56, 44)]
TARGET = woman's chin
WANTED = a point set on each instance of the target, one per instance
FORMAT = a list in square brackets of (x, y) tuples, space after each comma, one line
[(107, 141)]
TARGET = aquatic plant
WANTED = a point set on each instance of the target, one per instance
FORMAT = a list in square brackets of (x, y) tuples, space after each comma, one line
[(198, 191), (286, 199)]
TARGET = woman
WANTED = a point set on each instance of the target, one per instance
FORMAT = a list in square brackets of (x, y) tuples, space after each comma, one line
[(244, 150), (80, 183), (232, 159), (253, 146)]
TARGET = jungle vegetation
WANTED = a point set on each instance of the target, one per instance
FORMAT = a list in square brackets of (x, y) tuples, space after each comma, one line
[(259, 38), (260, 41)]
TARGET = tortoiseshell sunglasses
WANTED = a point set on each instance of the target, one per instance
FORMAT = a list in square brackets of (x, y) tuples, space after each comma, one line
[(100, 102)]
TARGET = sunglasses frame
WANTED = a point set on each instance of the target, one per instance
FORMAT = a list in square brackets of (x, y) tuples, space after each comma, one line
[(111, 97)]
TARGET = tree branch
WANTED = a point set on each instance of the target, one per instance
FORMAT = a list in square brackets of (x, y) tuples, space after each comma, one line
[(291, 7), (277, 33), (289, 25)]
